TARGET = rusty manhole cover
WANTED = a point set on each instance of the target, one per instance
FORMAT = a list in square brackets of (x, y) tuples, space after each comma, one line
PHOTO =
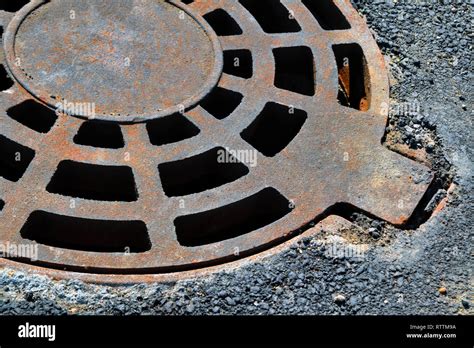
[(189, 134)]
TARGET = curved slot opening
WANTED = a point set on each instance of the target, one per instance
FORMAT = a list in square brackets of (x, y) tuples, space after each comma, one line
[(222, 23), (233, 220), (33, 115), (221, 102), (295, 70), (171, 129), (206, 171), (94, 182), (100, 134), (272, 16), (14, 159), (103, 236), (274, 128), (328, 15)]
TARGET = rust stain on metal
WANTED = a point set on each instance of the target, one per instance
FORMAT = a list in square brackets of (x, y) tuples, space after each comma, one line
[(172, 206)]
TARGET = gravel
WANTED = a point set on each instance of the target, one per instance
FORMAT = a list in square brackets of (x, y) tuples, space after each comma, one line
[(428, 47)]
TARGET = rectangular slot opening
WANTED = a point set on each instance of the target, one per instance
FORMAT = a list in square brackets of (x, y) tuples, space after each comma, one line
[(354, 79), (73, 233), (14, 159), (233, 220), (222, 23), (200, 173), (274, 128), (295, 69), (327, 14), (33, 115), (95, 182), (272, 16)]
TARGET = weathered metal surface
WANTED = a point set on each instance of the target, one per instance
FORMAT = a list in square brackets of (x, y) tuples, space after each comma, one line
[(136, 59), (336, 157)]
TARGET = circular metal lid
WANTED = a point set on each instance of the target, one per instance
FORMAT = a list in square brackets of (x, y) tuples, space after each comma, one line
[(130, 60)]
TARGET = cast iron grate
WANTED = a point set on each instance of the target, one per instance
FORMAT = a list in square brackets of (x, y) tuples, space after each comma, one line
[(274, 120)]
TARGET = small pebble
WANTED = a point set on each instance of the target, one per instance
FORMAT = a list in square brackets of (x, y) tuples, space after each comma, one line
[(339, 299)]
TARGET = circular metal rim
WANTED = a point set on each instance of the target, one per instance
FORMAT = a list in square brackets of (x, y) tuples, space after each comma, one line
[(19, 75)]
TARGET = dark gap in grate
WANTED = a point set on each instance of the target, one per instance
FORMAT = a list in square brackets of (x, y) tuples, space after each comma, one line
[(105, 135), (12, 5), (354, 79), (274, 128), (187, 2), (202, 172), (221, 102), (327, 14), (346, 211), (105, 236), (171, 129), (95, 182), (233, 220), (33, 115), (2, 204), (238, 63), (272, 16), (294, 69), (14, 159), (222, 23), (5, 81)]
